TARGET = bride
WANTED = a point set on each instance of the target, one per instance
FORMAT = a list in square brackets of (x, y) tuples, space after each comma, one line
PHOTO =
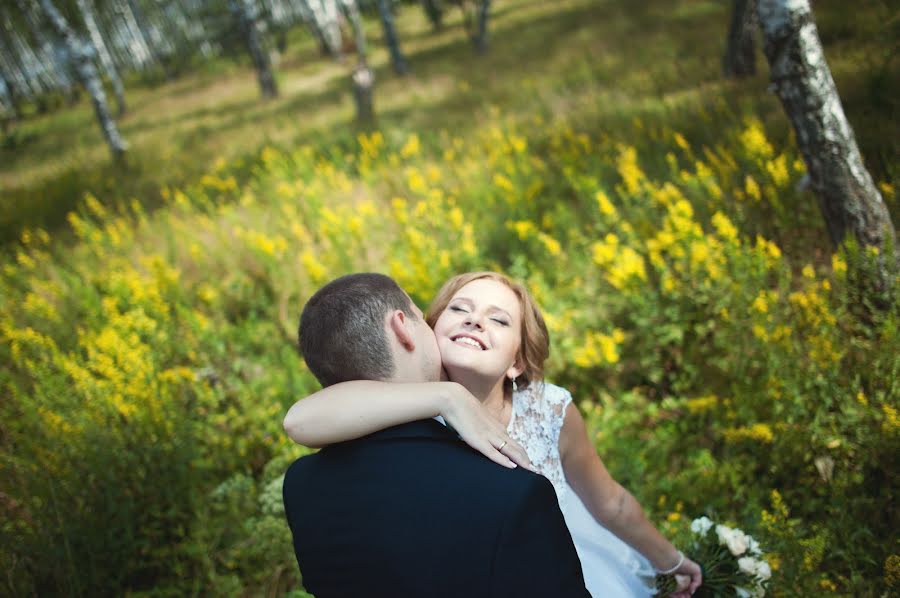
[(493, 344)]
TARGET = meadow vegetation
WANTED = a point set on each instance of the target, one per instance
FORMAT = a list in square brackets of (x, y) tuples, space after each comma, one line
[(727, 360)]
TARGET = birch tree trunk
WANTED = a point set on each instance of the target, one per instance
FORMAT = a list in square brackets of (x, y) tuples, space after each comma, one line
[(324, 19), (847, 196), (53, 60), (82, 54), (87, 13), (740, 52), (9, 70), (248, 15), (435, 13), (390, 37), (351, 10), (8, 98), (140, 20), (480, 40)]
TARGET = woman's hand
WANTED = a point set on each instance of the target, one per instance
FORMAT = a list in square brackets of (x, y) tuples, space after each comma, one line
[(688, 577), (481, 431)]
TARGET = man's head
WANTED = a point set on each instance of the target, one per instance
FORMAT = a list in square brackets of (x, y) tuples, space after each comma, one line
[(364, 327)]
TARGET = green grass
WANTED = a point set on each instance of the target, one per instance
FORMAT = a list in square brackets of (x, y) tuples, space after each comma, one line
[(597, 65)]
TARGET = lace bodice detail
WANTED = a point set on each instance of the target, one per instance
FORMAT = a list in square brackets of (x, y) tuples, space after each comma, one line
[(537, 418)]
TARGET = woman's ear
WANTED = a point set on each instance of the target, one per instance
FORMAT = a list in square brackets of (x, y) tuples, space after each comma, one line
[(398, 322), (516, 369)]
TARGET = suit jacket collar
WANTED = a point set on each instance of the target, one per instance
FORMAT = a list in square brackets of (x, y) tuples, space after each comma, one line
[(426, 428)]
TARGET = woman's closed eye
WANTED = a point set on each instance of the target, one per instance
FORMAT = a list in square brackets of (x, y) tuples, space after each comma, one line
[(458, 309), (500, 321)]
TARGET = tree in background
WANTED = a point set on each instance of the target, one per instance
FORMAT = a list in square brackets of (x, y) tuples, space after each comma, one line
[(82, 54), (363, 78), (53, 57), (480, 39), (85, 7), (390, 37), (247, 15), (800, 76), (434, 10), (740, 52)]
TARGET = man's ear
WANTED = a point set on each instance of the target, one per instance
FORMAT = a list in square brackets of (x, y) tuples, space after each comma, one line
[(399, 322)]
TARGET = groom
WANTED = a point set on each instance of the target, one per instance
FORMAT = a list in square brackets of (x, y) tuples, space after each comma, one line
[(411, 511)]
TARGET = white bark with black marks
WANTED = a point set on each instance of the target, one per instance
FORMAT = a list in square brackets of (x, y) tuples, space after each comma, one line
[(81, 52), (351, 11), (90, 22), (54, 61), (144, 30), (848, 198)]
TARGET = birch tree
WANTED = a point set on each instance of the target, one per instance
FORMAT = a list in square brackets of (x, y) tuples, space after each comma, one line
[(848, 198), (247, 15), (398, 61), (480, 39), (90, 22), (81, 52), (143, 26), (435, 13), (740, 51), (53, 60)]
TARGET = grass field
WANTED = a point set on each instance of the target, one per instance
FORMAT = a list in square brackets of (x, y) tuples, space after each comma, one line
[(726, 358)]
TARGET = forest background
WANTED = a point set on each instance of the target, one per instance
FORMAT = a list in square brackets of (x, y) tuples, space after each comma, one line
[(729, 359)]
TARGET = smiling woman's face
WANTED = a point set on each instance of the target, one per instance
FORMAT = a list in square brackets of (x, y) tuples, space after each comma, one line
[(480, 330)]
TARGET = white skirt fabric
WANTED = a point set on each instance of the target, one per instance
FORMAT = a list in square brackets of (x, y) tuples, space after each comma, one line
[(612, 569)]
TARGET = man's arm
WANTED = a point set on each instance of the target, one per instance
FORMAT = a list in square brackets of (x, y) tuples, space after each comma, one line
[(535, 555)]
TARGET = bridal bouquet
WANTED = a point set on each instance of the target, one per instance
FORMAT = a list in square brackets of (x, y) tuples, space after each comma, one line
[(731, 560)]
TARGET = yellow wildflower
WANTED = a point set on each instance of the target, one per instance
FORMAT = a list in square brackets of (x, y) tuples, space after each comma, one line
[(411, 147), (753, 138), (724, 226), (760, 432), (504, 183), (606, 207), (838, 265), (628, 168), (701, 404), (752, 188)]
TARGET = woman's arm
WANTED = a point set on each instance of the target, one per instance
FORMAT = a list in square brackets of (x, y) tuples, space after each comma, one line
[(353, 409), (613, 506)]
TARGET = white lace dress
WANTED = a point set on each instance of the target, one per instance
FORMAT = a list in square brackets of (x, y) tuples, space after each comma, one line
[(612, 569)]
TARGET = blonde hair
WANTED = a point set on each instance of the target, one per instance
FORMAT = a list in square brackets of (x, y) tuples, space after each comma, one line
[(535, 344)]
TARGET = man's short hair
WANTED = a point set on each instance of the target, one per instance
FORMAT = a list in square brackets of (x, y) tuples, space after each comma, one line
[(341, 332)]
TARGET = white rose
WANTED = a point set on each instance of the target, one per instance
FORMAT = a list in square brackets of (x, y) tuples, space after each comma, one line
[(742, 593), (754, 546), (748, 565), (734, 539), (701, 526), (724, 532), (763, 570)]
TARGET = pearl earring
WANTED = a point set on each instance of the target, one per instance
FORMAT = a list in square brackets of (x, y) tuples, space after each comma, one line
[(515, 387)]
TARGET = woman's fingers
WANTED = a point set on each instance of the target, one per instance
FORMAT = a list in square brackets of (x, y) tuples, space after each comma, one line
[(517, 454)]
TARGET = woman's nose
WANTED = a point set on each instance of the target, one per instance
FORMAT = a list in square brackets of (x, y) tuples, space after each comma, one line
[(473, 320)]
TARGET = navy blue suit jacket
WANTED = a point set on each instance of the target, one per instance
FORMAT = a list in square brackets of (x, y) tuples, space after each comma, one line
[(413, 511)]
